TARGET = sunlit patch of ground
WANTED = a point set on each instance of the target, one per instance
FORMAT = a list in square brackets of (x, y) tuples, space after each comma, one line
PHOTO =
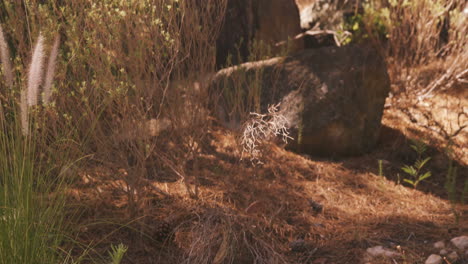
[(245, 213), (439, 120)]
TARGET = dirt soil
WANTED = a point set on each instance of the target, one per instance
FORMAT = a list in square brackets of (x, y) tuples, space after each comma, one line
[(292, 208)]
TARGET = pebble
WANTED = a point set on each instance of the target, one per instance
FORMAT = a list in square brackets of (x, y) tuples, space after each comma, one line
[(379, 251), (453, 256), (460, 242), (439, 244), (434, 259)]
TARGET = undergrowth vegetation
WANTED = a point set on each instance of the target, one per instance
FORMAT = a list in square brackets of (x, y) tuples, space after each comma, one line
[(34, 159), (124, 84), (415, 171), (424, 41), (31, 198)]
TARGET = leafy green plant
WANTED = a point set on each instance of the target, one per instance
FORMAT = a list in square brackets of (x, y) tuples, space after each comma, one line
[(117, 253), (369, 25), (415, 170)]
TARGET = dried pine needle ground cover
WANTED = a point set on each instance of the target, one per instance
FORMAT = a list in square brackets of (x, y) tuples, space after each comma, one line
[(437, 119), (262, 213)]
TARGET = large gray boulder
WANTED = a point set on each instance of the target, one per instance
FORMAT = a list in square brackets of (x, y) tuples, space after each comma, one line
[(332, 97)]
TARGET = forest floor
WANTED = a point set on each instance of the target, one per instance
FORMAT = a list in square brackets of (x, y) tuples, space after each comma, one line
[(292, 208)]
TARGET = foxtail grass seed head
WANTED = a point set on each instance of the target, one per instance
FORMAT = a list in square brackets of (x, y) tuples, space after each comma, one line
[(47, 93), (35, 72), (5, 60)]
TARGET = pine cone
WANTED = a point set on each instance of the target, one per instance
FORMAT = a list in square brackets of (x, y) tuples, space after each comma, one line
[(162, 231)]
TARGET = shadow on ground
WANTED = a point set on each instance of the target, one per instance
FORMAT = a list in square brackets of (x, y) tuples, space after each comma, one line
[(394, 151), (259, 214)]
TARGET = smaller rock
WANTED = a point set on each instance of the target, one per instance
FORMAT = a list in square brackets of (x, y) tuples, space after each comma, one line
[(379, 251), (453, 256), (443, 252), (460, 242), (439, 244), (434, 259)]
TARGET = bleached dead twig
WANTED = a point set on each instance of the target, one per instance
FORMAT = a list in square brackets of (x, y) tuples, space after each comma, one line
[(263, 127)]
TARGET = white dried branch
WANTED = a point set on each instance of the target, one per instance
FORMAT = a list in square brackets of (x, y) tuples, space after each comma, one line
[(261, 128)]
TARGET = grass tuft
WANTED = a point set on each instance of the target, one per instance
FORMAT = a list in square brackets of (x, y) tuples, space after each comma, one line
[(31, 203)]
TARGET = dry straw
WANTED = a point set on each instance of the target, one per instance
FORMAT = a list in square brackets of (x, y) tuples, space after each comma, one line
[(5, 59), (6, 66), (50, 71), (35, 72), (24, 113)]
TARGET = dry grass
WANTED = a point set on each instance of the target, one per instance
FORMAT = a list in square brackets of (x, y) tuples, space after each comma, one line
[(422, 33), (441, 120), (5, 69), (49, 76), (248, 214), (151, 75), (5, 60)]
